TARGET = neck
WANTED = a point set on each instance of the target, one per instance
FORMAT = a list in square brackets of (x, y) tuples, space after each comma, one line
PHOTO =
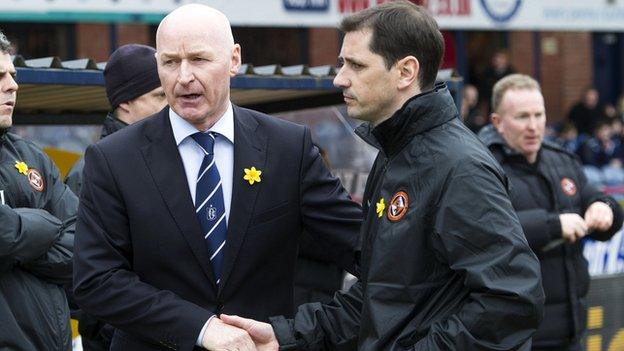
[(399, 102)]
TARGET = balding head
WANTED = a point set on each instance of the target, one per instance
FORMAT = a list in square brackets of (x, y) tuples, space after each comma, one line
[(196, 57), (195, 19)]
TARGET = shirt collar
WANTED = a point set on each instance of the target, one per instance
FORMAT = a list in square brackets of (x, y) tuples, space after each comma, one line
[(183, 129)]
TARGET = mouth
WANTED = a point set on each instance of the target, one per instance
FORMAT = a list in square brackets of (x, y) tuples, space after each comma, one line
[(189, 98), (9, 103), (348, 98)]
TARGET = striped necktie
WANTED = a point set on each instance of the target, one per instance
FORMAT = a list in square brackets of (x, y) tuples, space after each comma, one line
[(209, 205)]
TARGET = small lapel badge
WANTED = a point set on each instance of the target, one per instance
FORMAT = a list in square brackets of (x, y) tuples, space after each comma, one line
[(211, 213), (22, 167), (2, 197), (398, 206), (380, 207), (252, 175), (568, 186), (35, 179)]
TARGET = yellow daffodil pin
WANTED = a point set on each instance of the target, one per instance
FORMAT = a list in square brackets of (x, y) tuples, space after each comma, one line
[(252, 175), (381, 206), (22, 167)]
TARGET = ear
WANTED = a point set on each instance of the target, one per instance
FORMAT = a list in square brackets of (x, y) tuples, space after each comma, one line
[(236, 60), (125, 106), (408, 69), (495, 118)]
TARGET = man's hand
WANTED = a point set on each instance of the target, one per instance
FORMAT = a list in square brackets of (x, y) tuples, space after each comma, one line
[(599, 216), (219, 336), (261, 333), (573, 227)]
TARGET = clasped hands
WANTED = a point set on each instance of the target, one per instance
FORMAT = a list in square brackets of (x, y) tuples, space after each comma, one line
[(598, 216), (227, 333)]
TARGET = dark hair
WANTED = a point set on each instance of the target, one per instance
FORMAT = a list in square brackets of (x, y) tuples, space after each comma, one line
[(400, 29), (5, 44)]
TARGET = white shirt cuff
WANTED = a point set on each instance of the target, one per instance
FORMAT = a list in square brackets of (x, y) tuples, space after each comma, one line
[(203, 330)]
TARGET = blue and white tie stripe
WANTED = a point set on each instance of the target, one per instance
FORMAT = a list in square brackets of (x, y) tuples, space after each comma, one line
[(209, 205)]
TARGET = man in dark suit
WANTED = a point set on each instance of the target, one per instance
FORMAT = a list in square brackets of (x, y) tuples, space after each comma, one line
[(197, 210)]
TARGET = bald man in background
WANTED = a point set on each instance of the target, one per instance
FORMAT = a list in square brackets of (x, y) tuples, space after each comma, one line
[(197, 210)]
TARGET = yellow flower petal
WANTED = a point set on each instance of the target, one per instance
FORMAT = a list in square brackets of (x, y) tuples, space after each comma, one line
[(381, 206), (22, 167), (252, 175)]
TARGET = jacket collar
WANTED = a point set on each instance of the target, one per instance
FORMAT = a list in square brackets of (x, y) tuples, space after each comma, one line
[(494, 141), (111, 125), (419, 114)]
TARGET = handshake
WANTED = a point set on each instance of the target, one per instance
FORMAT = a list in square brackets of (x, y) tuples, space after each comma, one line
[(237, 333)]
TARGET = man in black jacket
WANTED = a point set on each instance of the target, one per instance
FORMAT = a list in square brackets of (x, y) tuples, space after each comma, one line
[(445, 265), (555, 204), (37, 215), (133, 91)]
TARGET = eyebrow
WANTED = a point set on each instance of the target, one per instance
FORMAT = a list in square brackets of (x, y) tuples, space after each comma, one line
[(190, 53), (350, 60), (12, 72)]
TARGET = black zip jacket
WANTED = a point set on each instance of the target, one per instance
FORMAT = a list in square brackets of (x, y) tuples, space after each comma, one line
[(37, 218), (74, 176), (554, 184), (453, 271)]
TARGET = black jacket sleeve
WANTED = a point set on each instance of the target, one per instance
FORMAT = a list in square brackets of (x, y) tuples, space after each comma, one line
[(329, 214), (55, 265), (540, 227), (478, 234), (589, 195), (317, 327), (105, 284), (25, 235), (74, 176)]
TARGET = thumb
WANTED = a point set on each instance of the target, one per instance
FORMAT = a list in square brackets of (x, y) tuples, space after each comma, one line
[(236, 321)]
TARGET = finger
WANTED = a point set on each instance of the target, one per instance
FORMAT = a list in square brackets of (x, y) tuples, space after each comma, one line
[(236, 321)]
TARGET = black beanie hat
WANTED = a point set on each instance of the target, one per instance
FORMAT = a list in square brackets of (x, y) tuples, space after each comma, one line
[(130, 72)]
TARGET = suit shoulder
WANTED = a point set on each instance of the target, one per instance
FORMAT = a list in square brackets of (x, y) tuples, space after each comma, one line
[(273, 123)]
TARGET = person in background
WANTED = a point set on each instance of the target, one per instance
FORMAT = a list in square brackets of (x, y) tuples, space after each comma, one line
[(499, 67), (556, 206), (602, 150), (568, 138), (37, 215), (133, 91), (470, 111), (586, 113)]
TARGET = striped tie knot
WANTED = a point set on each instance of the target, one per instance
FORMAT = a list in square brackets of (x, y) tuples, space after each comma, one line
[(206, 141)]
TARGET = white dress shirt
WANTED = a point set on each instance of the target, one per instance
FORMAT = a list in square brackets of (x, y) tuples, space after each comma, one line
[(192, 156)]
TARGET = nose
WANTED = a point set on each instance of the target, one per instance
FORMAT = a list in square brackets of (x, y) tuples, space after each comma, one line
[(186, 75), (532, 123), (340, 80), (9, 85)]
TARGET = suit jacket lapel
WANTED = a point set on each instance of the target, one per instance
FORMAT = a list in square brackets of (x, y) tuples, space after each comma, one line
[(249, 151), (165, 165)]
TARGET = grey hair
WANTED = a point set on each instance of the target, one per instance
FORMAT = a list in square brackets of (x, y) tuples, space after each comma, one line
[(5, 44)]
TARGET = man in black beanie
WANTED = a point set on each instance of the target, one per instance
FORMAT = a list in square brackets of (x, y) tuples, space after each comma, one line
[(134, 92)]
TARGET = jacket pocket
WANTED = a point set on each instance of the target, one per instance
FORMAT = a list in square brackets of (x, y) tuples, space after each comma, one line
[(274, 212)]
